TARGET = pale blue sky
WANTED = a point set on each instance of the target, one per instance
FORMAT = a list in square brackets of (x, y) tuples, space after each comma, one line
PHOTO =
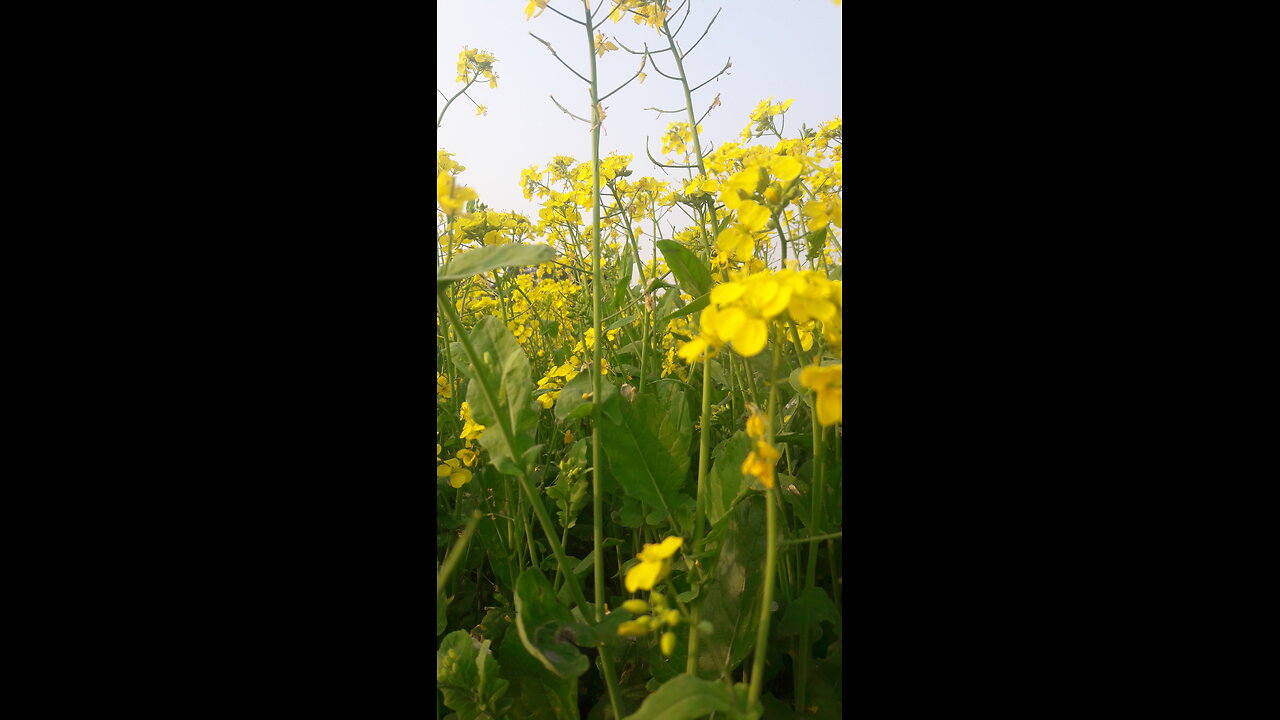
[(780, 48)]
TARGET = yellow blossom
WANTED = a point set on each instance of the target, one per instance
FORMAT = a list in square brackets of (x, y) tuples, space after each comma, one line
[(655, 563), (826, 382), (470, 429), (451, 196), (452, 469), (760, 463)]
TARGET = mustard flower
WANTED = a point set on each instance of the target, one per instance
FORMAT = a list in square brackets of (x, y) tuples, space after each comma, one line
[(826, 382), (470, 429), (760, 463), (452, 469), (655, 563)]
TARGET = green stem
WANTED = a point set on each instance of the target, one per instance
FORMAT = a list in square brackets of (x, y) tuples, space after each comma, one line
[(455, 554), (815, 525), (704, 460), (771, 549), (597, 497)]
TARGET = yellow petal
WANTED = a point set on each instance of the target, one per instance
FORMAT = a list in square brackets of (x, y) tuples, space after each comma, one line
[(727, 292), (829, 406), (642, 576), (729, 322), (752, 215), (786, 168), (751, 338)]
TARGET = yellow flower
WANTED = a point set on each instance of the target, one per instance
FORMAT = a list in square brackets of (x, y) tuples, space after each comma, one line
[(482, 110), (442, 386), (451, 196), (755, 424), (826, 382), (655, 563), (538, 5), (760, 463), (452, 469), (568, 437), (735, 241), (470, 429), (468, 457), (603, 46)]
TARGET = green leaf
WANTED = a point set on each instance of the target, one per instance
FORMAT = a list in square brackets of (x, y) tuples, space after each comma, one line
[(692, 307), (726, 483), (569, 404), (540, 618), (685, 698), (622, 322), (569, 493), (484, 259), (538, 694), (731, 602), (469, 678), (694, 277), (813, 604), (629, 514), (817, 239), (505, 371), (648, 447)]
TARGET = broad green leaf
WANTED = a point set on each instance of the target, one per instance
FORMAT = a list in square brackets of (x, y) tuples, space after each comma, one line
[(817, 240), (492, 530), (813, 604), (504, 370), (622, 322), (484, 259), (629, 513), (538, 693), (648, 448), (540, 620), (469, 678), (570, 404), (685, 698), (731, 602), (694, 277), (725, 482), (692, 307), (570, 493)]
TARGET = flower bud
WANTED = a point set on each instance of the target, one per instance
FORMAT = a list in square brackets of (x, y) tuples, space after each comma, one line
[(668, 643), (705, 628), (636, 607), (633, 628), (672, 617)]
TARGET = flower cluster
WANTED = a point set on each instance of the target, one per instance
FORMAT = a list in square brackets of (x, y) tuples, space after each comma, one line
[(761, 460), (473, 63), (644, 623)]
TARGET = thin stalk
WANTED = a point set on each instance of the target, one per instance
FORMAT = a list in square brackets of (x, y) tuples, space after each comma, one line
[(815, 524), (597, 496), (704, 460), (771, 552), (455, 554)]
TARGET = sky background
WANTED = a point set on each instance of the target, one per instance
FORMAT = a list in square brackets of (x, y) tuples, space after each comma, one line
[(787, 49)]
